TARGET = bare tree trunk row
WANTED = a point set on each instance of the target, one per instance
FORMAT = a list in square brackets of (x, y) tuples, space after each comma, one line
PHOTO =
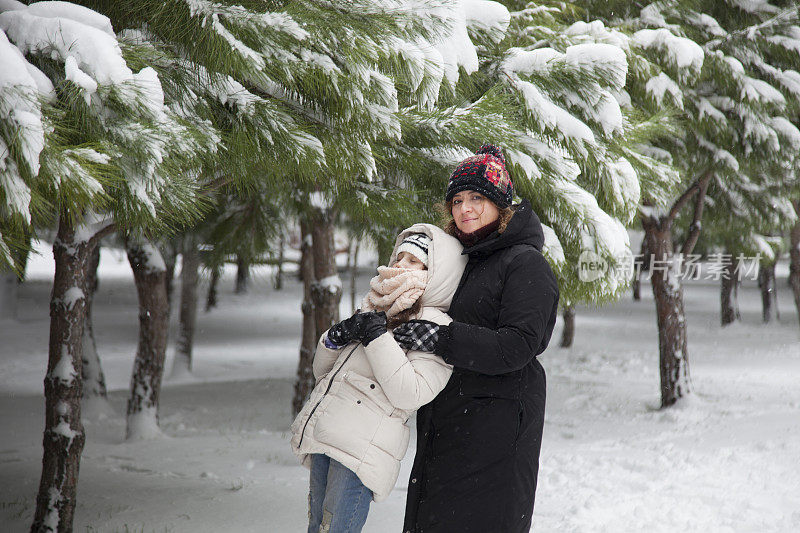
[(326, 291), (353, 272), (149, 273), (769, 293), (242, 274), (278, 282), (64, 436), (794, 259), (728, 283), (670, 317), (211, 298), (190, 266), (568, 333), (305, 376), (322, 292), (94, 380)]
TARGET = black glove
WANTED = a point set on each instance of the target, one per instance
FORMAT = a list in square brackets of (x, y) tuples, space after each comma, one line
[(347, 330), (418, 335), (374, 326)]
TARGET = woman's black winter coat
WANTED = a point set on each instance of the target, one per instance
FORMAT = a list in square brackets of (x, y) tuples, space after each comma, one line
[(478, 441)]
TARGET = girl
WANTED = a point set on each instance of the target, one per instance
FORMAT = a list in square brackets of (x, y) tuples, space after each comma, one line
[(352, 432)]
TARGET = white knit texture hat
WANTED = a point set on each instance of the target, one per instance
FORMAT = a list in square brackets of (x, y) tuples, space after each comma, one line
[(416, 244)]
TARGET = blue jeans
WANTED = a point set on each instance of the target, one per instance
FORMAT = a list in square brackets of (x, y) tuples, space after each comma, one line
[(338, 502)]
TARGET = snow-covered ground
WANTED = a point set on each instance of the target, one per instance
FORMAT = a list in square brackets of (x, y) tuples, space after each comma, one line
[(727, 460)]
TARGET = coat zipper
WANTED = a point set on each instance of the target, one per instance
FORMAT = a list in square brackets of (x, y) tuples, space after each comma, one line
[(303, 433)]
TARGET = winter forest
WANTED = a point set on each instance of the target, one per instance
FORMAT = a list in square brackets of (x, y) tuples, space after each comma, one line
[(193, 191)]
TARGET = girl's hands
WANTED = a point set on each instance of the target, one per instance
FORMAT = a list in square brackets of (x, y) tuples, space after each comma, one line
[(361, 326)]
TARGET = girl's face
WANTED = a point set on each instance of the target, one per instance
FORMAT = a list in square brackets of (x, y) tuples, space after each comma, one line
[(471, 211), (409, 262)]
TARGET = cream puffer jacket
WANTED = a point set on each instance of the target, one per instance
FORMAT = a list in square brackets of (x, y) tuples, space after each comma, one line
[(358, 411)]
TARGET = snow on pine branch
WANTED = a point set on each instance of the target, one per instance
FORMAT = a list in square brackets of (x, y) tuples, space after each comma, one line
[(127, 109), (549, 116), (658, 87), (96, 52), (74, 12), (211, 12), (596, 68), (597, 32), (719, 155), (787, 131), (552, 246), (684, 54), (608, 233), (488, 18), (21, 117)]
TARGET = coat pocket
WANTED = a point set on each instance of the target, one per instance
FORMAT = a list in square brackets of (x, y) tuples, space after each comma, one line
[(369, 392), (347, 426)]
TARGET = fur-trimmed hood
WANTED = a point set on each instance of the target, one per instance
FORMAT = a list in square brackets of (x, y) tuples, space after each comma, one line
[(445, 265)]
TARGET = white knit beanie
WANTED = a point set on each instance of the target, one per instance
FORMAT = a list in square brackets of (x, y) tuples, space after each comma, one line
[(416, 244)]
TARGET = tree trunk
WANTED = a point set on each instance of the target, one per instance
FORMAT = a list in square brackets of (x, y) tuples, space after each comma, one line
[(326, 291), (63, 435), (668, 295), (170, 258), (766, 282), (305, 375), (242, 274), (636, 284), (727, 284), (95, 395), (278, 283), (211, 299), (568, 333), (188, 314), (8, 294), (794, 259), (149, 273), (640, 265), (353, 273)]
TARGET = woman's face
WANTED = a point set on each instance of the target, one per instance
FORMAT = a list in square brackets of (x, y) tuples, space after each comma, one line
[(409, 262), (472, 211)]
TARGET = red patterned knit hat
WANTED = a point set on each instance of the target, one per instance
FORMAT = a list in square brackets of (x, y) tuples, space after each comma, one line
[(485, 172)]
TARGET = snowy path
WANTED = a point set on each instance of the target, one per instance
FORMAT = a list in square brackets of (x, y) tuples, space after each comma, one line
[(728, 460)]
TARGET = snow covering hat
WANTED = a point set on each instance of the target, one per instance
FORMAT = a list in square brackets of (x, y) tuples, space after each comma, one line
[(485, 172), (416, 244)]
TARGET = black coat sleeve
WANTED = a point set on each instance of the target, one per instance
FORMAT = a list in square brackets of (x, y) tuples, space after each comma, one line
[(528, 305)]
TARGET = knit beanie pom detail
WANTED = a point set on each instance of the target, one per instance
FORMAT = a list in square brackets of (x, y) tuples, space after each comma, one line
[(493, 150)]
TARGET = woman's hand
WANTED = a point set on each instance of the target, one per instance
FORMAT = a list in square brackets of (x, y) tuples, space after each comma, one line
[(419, 335)]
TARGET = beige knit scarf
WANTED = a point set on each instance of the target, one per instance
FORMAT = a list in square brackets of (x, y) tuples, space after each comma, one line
[(394, 289)]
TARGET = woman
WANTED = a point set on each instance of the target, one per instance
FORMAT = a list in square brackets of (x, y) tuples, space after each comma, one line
[(352, 432), (478, 441)]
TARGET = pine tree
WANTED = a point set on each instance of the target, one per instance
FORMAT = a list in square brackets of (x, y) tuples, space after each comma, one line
[(708, 63), (111, 157), (794, 258)]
